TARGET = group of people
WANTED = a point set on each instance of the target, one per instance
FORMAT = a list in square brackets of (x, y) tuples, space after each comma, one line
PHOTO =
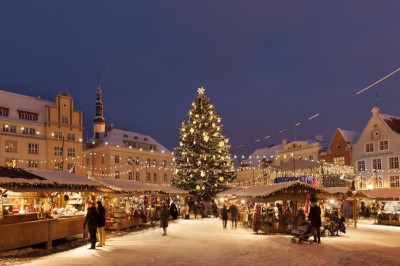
[(96, 222), (233, 210)]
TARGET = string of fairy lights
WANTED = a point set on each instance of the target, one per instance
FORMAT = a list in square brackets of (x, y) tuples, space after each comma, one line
[(316, 115)]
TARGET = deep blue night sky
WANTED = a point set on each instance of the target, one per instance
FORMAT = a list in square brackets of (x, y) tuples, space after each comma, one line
[(265, 65)]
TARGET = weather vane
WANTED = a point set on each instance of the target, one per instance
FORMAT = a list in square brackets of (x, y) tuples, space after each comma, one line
[(201, 90)]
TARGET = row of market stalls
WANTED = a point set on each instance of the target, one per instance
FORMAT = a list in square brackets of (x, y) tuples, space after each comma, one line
[(290, 199), (39, 206)]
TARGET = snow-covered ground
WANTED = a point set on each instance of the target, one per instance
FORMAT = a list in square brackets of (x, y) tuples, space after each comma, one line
[(205, 242)]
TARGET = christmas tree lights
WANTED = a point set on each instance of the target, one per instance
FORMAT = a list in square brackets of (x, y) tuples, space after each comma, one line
[(203, 164)]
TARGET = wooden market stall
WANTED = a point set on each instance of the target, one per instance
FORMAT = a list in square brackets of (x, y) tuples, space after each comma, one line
[(132, 203), (388, 200), (294, 191), (34, 206)]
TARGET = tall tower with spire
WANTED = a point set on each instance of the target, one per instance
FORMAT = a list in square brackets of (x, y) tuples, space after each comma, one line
[(99, 124)]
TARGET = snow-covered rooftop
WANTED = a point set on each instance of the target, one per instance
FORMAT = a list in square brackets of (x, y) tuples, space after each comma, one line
[(349, 136), (16, 102), (393, 122), (120, 137), (261, 153)]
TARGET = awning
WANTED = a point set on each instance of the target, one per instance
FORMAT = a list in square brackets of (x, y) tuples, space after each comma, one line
[(136, 187), (39, 180), (294, 190), (229, 192), (383, 193)]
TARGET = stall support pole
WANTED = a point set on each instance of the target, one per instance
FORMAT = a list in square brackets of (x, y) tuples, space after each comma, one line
[(355, 212), (49, 243)]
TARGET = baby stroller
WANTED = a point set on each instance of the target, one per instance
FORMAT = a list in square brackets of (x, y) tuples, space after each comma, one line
[(302, 233)]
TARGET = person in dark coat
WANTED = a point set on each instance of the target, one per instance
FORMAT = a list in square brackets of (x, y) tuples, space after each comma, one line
[(224, 216), (215, 210), (174, 211), (234, 213), (195, 209), (315, 218), (101, 224), (164, 219), (91, 221)]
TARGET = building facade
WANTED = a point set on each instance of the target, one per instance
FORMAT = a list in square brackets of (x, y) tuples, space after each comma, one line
[(377, 151), (38, 133), (121, 154), (297, 150)]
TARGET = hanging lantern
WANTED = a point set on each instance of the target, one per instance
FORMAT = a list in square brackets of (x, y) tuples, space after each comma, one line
[(198, 187)]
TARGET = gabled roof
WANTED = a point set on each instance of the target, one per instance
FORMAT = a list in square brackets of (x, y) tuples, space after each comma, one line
[(116, 137), (349, 136)]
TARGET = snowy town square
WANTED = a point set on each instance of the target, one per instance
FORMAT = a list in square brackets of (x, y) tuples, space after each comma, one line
[(189, 133), (205, 242)]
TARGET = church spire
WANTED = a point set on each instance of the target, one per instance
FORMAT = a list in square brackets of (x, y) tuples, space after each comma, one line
[(99, 124)]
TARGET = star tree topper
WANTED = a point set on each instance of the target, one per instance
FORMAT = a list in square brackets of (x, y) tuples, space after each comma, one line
[(201, 90)]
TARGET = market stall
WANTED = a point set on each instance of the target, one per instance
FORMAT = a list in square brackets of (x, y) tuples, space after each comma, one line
[(35, 206), (288, 200), (132, 203), (387, 202)]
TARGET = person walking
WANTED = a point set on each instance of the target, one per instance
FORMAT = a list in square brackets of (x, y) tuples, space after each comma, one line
[(224, 216), (234, 211), (186, 210), (195, 209), (91, 221), (101, 224), (215, 209), (164, 219), (315, 218)]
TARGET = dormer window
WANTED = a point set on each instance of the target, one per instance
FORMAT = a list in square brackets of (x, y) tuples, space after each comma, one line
[(125, 135), (27, 115), (146, 139), (4, 111), (135, 137)]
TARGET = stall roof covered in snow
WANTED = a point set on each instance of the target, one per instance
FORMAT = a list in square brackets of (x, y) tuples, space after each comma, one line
[(268, 190), (60, 177), (383, 193), (17, 179), (133, 186), (229, 192)]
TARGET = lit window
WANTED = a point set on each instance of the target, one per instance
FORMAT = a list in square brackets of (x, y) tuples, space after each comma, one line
[(361, 166), (11, 146), (383, 145), (395, 181), (369, 147), (33, 148), (393, 162)]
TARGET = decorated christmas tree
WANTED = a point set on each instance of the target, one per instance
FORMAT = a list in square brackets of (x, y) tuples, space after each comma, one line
[(203, 165)]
